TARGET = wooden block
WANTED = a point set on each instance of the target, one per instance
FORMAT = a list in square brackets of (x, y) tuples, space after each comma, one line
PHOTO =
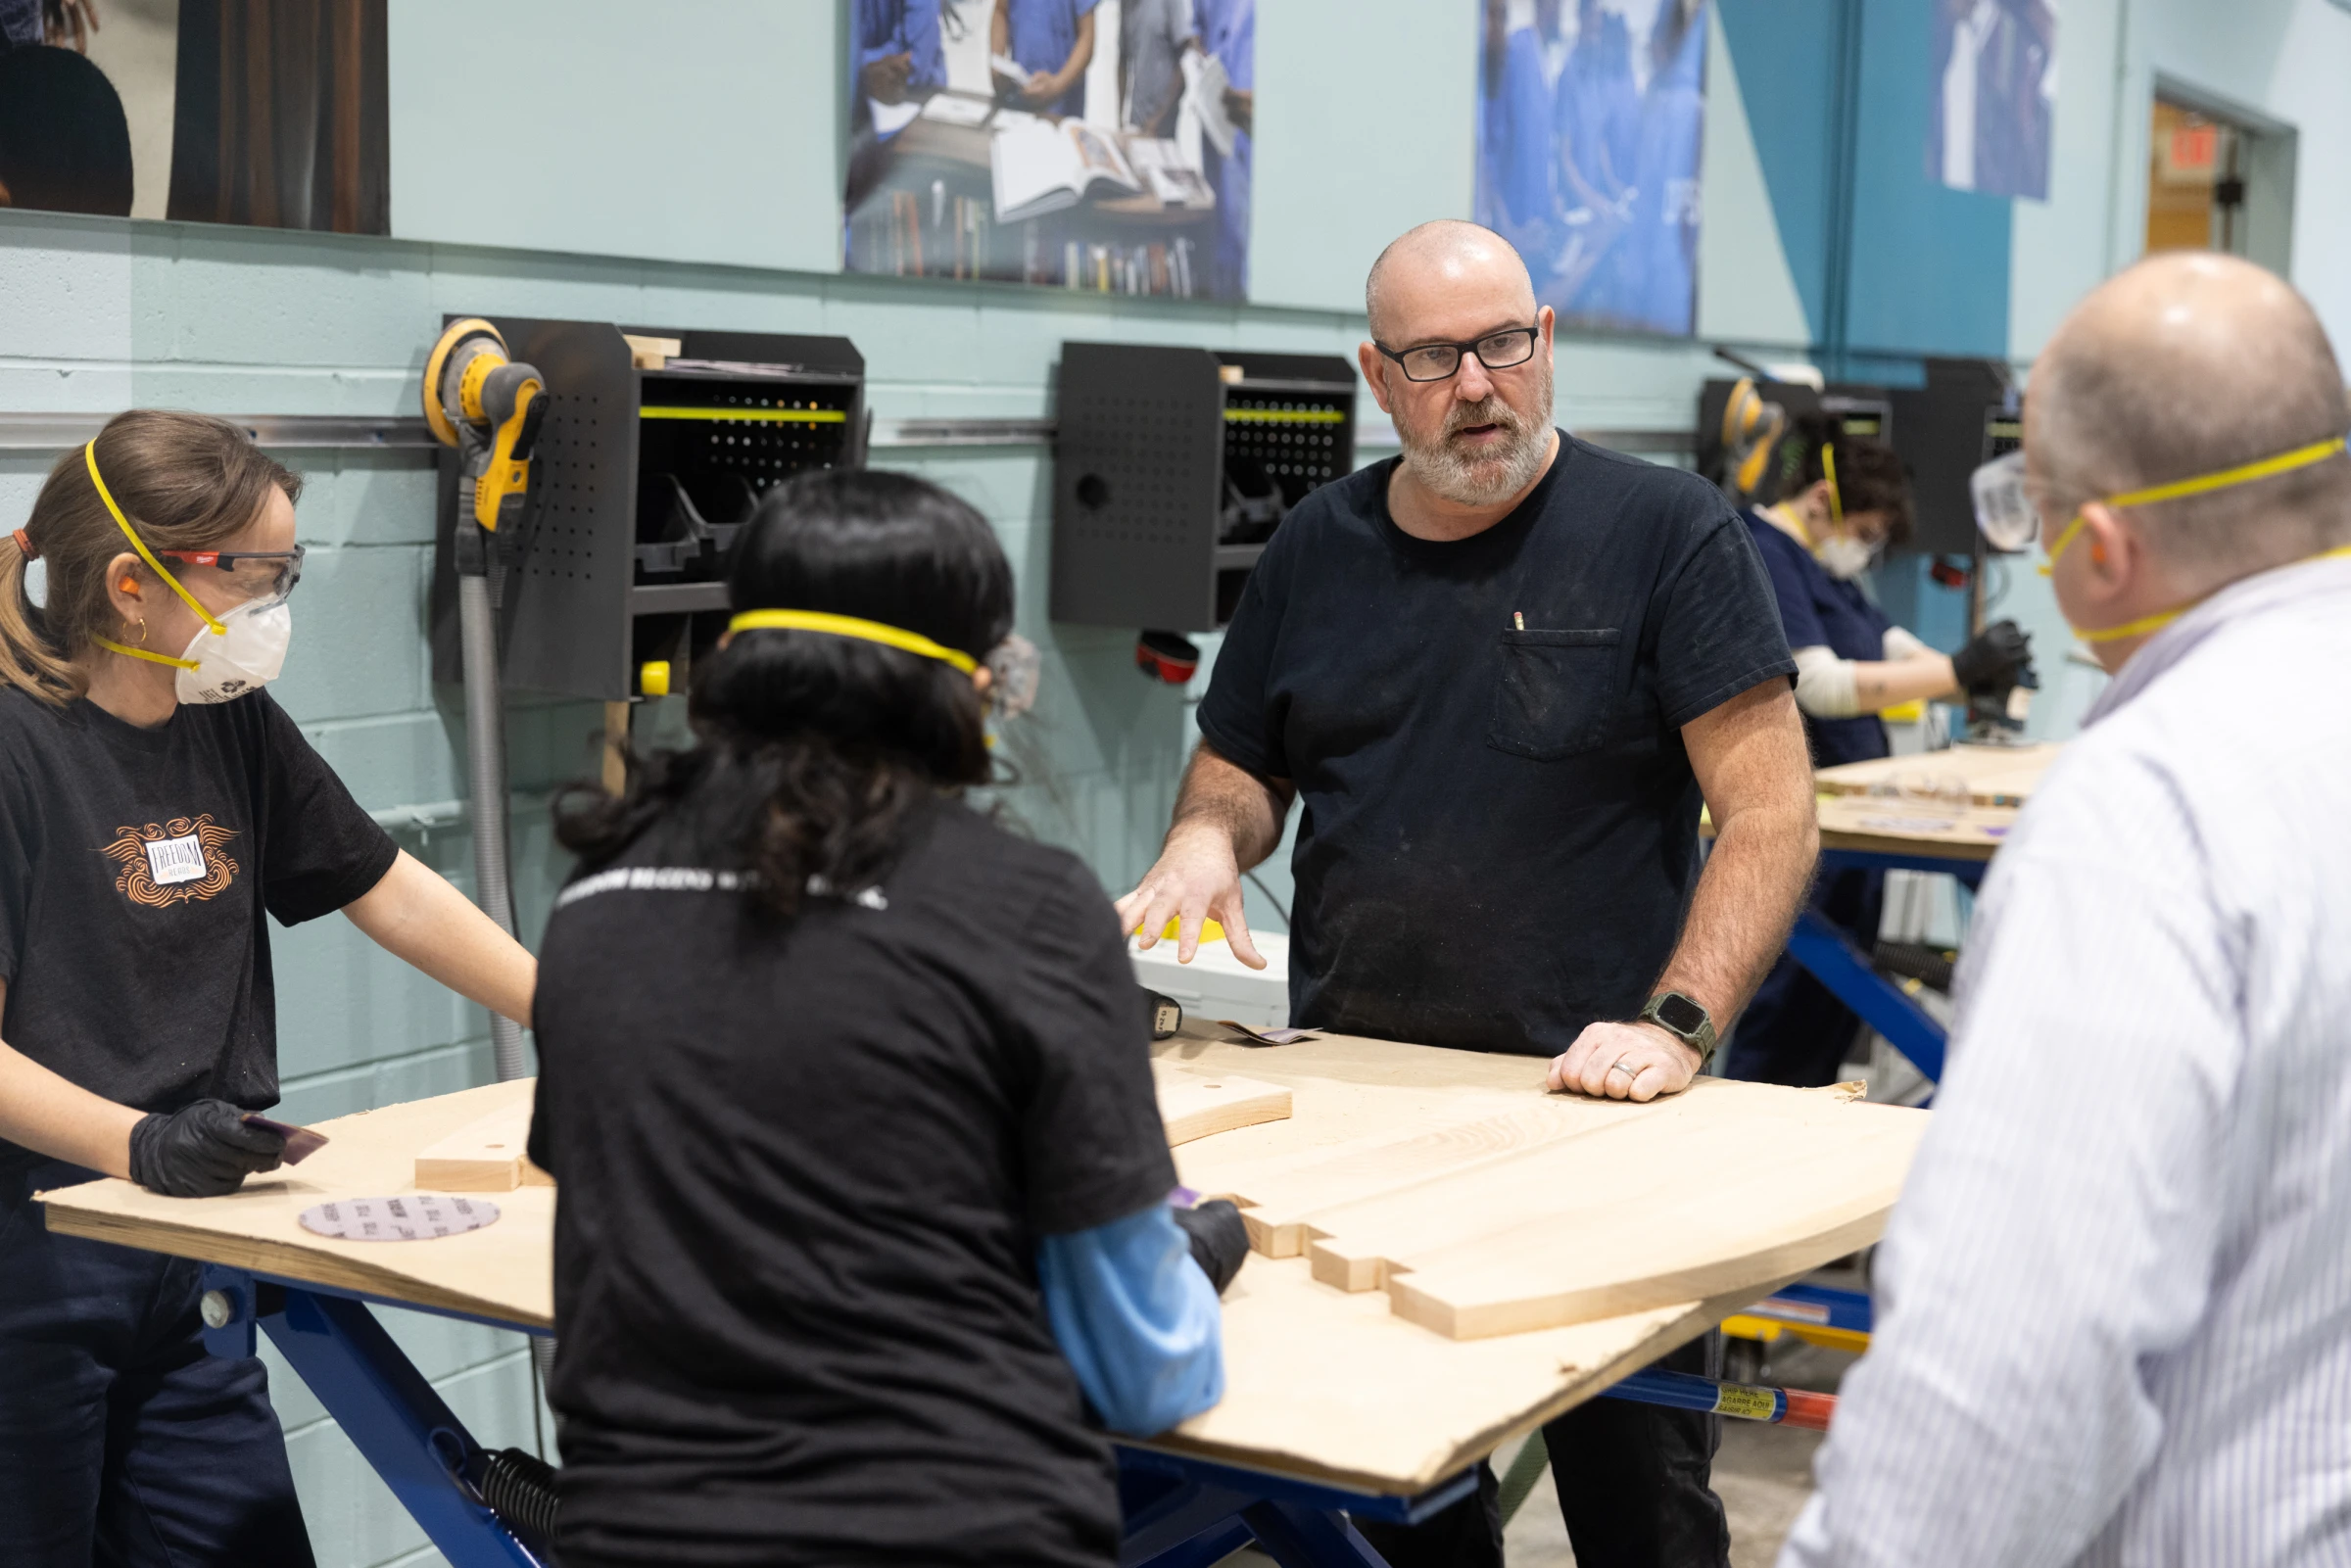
[(1196, 1106), (486, 1156), (651, 354)]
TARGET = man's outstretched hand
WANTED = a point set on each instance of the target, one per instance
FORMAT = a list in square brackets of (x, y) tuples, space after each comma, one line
[(1624, 1061), (1197, 878)]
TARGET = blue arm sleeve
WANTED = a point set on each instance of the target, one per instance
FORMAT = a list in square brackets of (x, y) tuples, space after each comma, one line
[(1137, 1319)]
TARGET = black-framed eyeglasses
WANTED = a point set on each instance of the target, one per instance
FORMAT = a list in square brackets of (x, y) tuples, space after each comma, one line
[(1496, 351)]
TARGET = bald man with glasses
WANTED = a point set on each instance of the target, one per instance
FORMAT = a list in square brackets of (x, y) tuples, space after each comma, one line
[(1503, 671)]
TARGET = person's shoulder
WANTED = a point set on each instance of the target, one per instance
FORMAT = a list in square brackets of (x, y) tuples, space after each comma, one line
[(1654, 491), (27, 719), (984, 846)]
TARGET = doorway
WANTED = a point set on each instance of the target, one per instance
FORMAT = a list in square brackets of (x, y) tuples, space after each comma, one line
[(2219, 180)]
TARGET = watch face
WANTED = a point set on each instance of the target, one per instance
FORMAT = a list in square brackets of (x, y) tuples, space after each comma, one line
[(1681, 1014)]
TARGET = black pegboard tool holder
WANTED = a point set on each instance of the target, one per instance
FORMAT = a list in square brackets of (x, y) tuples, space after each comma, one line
[(643, 482), (1172, 467)]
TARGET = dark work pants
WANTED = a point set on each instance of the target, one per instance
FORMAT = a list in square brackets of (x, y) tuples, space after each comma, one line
[(1632, 1484), (1796, 1031), (123, 1443)]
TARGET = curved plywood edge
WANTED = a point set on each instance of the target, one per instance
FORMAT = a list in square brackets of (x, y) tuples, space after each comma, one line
[(1199, 1105)]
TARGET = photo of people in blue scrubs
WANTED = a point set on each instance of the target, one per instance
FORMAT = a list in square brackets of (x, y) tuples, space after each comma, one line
[(1096, 145), (1591, 113)]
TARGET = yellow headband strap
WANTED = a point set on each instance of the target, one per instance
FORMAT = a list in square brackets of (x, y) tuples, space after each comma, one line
[(2318, 451), (851, 626), (2286, 462), (1828, 471), (89, 455)]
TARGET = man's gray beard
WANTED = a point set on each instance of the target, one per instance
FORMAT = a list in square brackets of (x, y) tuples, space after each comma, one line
[(1464, 481)]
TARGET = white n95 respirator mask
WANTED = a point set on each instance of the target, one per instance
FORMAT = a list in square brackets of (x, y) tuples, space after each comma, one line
[(1845, 558), (247, 653)]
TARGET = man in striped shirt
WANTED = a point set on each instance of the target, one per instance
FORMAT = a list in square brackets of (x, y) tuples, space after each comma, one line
[(2115, 1301)]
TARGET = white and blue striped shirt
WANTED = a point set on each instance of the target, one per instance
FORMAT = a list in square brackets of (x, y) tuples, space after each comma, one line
[(2115, 1299)]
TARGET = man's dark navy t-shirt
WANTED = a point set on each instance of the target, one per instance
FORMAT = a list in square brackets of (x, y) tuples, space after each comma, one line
[(1500, 829), (1817, 610)]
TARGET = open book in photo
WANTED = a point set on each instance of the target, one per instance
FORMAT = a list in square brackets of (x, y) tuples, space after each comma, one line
[(1159, 163), (1046, 166)]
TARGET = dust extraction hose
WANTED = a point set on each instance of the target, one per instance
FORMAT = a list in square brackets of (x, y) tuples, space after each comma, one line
[(486, 762), (520, 1489)]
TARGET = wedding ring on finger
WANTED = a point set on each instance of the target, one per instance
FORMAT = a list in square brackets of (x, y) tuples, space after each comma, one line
[(1619, 1067)]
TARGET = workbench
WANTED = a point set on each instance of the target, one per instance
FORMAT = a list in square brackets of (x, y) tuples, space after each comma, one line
[(1339, 1404), (1936, 811)]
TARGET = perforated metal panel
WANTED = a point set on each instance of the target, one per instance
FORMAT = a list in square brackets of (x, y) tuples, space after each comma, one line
[(583, 613), (1144, 436)]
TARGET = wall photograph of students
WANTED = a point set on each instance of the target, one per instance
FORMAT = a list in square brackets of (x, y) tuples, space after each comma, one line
[(1590, 118), (1101, 145), (199, 110)]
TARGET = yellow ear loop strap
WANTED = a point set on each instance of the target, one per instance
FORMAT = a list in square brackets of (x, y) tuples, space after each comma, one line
[(1828, 471), (851, 626), (89, 456)]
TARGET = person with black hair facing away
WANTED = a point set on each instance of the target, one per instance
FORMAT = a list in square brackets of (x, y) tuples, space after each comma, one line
[(1847, 498), (847, 1090), (156, 807)]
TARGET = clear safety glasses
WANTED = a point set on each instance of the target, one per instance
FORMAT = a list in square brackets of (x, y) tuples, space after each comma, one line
[(2011, 521), (261, 576)]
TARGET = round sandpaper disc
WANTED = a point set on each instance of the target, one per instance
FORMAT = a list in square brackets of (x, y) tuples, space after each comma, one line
[(413, 1216)]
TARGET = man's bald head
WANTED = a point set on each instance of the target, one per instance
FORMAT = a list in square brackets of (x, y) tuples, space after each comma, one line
[(2186, 364), (1439, 265)]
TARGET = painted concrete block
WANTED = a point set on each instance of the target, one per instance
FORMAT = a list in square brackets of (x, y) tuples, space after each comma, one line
[(359, 624), (364, 497)]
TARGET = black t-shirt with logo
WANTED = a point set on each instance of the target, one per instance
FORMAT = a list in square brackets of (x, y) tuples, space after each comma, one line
[(804, 1171), (1499, 836), (136, 869)]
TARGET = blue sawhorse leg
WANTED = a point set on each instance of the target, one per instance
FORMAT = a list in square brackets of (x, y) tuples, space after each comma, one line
[(1837, 963), (391, 1416)]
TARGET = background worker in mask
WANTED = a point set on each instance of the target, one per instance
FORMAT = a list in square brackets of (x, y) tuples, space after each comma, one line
[(1846, 500), (155, 805)]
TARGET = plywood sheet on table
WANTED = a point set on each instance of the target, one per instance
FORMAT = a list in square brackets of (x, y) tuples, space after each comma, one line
[(1321, 1382), (1479, 1211), (1913, 826), (505, 1270), (1994, 776)]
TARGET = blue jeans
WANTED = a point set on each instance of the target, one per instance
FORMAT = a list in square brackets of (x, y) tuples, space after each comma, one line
[(122, 1442)]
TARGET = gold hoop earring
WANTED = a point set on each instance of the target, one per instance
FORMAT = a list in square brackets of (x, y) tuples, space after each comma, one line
[(142, 631)]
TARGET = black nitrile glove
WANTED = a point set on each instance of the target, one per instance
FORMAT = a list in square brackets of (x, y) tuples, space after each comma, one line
[(1219, 1240), (200, 1151), (1993, 658)]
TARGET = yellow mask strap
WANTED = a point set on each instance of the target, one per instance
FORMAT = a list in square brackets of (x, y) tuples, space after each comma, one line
[(2286, 462), (89, 455), (1828, 471), (851, 626), (149, 655)]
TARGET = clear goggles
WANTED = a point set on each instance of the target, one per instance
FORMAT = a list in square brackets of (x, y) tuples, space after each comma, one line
[(261, 576), (2010, 520)]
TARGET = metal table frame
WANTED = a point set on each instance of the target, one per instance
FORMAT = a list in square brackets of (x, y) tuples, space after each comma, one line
[(1832, 958), (1179, 1511)]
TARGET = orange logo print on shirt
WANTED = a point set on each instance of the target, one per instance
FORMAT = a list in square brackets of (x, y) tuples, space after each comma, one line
[(179, 861)]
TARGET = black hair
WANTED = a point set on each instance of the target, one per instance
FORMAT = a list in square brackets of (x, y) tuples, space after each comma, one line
[(64, 143), (817, 754), (1870, 477)]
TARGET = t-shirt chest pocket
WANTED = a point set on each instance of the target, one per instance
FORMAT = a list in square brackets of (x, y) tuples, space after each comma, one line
[(1556, 692)]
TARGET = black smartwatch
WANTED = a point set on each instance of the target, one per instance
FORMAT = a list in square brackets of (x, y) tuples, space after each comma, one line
[(1686, 1021)]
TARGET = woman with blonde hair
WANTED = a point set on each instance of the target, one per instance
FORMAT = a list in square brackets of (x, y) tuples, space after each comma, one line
[(156, 805)]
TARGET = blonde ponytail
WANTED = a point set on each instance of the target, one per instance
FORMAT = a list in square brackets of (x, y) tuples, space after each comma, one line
[(27, 661)]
